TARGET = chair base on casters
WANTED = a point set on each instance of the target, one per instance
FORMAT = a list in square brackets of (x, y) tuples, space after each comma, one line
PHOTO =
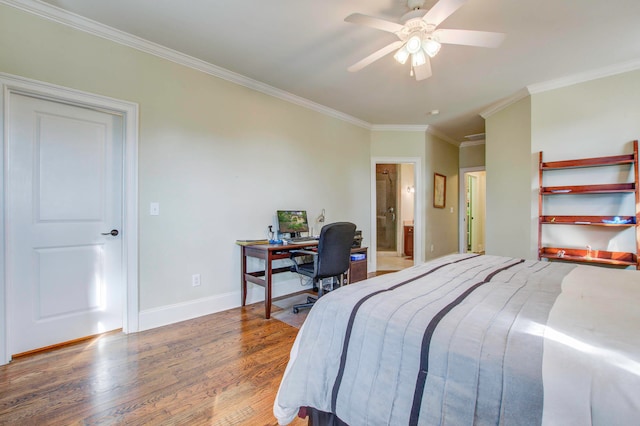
[(309, 304), (317, 286)]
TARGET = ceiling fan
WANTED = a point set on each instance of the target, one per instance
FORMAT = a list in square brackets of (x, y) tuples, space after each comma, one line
[(420, 37)]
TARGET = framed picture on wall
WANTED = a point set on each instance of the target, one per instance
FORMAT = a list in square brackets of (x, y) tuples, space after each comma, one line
[(439, 190)]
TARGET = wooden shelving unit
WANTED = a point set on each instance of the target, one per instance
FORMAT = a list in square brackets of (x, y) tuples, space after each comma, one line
[(596, 256), (593, 256)]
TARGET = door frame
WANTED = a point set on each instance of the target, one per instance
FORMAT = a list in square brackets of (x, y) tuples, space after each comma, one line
[(417, 207), (462, 247), (10, 84)]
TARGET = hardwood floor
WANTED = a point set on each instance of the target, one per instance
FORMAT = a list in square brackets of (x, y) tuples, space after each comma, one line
[(220, 369)]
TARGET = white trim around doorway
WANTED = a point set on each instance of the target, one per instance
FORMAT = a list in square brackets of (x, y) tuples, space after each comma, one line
[(462, 210), (129, 112), (418, 255)]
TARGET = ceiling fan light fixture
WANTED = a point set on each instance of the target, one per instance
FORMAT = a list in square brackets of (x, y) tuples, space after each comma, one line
[(402, 55), (419, 35), (418, 58), (431, 47), (414, 43)]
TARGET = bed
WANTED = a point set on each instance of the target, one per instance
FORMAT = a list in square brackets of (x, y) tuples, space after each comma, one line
[(468, 339)]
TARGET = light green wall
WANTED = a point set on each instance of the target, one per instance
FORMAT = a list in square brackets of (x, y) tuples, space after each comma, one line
[(596, 118), (397, 144), (438, 156), (472, 156), (218, 157), (508, 166), (442, 224), (592, 119)]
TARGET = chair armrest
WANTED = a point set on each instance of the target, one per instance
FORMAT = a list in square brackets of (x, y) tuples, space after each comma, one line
[(293, 254)]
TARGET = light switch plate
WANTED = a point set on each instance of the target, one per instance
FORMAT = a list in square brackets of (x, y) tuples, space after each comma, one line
[(154, 209)]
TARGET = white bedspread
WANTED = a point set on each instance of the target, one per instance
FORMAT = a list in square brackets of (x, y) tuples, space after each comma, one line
[(591, 361)]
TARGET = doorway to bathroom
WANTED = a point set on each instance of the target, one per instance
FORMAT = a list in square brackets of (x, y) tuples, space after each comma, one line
[(394, 220)]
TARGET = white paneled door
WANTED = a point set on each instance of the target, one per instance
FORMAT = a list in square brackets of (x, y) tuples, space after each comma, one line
[(64, 222)]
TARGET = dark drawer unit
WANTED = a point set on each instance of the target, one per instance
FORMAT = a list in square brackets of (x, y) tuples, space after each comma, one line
[(358, 268)]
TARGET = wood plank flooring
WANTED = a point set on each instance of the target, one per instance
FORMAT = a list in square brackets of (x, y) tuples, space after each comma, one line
[(220, 369)]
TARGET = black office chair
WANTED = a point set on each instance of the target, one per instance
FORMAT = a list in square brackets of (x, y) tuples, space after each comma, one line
[(330, 261)]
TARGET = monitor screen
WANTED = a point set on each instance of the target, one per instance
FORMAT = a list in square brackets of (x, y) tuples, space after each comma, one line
[(292, 221)]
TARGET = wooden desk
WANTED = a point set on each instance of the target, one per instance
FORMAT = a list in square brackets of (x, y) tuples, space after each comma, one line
[(271, 252)]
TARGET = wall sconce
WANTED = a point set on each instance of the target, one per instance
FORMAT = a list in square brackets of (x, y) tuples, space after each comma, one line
[(411, 189)]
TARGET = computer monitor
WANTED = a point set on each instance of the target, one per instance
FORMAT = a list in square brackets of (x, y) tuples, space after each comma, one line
[(292, 222)]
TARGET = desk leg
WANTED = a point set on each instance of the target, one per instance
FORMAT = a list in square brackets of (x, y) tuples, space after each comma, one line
[(268, 272), (243, 280)]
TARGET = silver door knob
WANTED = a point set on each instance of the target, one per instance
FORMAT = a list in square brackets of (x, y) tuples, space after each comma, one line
[(113, 232)]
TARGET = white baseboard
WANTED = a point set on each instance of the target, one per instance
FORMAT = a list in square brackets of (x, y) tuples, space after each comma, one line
[(170, 314)]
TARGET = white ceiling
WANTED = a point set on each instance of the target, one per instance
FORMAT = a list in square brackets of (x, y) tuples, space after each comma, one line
[(304, 47)]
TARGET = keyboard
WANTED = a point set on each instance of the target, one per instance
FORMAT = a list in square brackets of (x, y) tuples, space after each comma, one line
[(303, 240)]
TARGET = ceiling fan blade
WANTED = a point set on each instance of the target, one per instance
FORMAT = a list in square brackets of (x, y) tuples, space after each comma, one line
[(423, 71), (370, 21), (469, 37), (442, 10), (375, 56)]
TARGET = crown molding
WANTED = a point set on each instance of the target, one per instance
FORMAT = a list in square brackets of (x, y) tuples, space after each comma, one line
[(399, 127), (439, 134), (503, 103), (466, 144), (560, 83), (56, 14), (584, 76)]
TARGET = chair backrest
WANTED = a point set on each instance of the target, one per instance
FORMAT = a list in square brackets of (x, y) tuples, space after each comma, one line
[(334, 248)]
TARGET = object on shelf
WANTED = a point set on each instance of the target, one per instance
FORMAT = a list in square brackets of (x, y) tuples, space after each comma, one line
[(617, 220), (358, 256)]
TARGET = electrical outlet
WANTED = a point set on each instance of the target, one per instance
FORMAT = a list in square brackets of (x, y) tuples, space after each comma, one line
[(431, 247), (195, 280)]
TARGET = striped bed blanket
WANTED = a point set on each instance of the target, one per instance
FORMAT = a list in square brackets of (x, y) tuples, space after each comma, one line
[(468, 339)]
